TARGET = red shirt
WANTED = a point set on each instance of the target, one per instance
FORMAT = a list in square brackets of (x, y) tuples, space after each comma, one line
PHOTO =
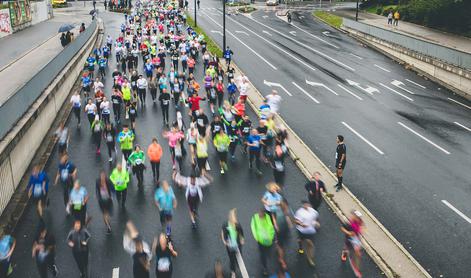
[(195, 103)]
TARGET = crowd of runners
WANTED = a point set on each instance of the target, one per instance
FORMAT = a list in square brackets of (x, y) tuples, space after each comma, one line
[(158, 53)]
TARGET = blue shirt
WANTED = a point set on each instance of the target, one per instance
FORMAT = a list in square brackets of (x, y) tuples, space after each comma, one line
[(273, 200), (254, 139), (77, 197), (65, 170), (165, 199), (37, 183), (5, 244)]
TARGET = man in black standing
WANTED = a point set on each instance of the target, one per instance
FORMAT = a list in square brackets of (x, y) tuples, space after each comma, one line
[(340, 161), (314, 187)]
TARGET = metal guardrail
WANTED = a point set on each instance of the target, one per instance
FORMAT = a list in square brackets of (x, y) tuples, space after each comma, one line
[(17, 105), (445, 54)]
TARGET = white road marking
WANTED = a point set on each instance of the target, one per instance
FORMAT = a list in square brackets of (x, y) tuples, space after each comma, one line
[(379, 67), (363, 138), (462, 215), (242, 268), (242, 32), (293, 33), (321, 85), (272, 44), (370, 90), (302, 16), (244, 44), (216, 32), (350, 92), (463, 126), (394, 91), (265, 16), (266, 32), (417, 84), (115, 272), (356, 56), (306, 93), (398, 84), (272, 84), (457, 102), (123, 162), (314, 36), (302, 44), (424, 138)]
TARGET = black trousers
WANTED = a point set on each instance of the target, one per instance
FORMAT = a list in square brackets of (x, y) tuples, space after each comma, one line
[(165, 113), (155, 169), (121, 196), (81, 258), (254, 155)]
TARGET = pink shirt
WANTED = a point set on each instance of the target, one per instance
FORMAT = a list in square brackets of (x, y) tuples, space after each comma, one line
[(173, 138)]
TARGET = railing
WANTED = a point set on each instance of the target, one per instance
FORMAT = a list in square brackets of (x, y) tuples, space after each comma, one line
[(17, 105), (445, 54)]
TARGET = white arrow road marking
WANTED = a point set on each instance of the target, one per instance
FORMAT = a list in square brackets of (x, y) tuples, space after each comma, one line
[(272, 84), (356, 56), (363, 138), (242, 32), (321, 85), (217, 32), (266, 32), (394, 91), (314, 36), (302, 44), (379, 67), (350, 92), (115, 272), (398, 84), (423, 138), (242, 268), (417, 84), (265, 16), (302, 16), (370, 90), (293, 33), (326, 33), (457, 102), (306, 93), (463, 126), (244, 44), (462, 215)]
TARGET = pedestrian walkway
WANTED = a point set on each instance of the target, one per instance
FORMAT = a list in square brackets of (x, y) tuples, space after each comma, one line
[(29, 50), (425, 33)]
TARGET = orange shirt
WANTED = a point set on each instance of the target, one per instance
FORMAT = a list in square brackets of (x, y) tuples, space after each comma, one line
[(154, 152)]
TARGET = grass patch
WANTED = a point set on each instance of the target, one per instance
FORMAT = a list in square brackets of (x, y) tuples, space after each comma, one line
[(331, 19), (247, 9), (237, 4), (212, 47)]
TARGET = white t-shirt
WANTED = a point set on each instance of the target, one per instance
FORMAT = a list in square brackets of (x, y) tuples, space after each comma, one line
[(307, 217), (75, 100), (142, 83), (105, 107), (98, 86), (274, 102), (243, 89), (90, 108)]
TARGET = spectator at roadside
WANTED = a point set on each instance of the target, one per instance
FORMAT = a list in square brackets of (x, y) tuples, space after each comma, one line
[(82, 27), (63, 40), (390, 17), (396, 18)]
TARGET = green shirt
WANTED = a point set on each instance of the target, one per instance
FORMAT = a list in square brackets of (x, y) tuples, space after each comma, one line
[(221, 142), (119, 179), (126, 139), (136, 158), (263, 230)]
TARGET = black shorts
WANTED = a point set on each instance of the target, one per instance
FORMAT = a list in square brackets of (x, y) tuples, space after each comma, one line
[(212, 100), (62, 147), (222, 156), (41, 198), (303, 236), (165, 216), (193, 202), (201, 161), (106, 205), (343, 164)]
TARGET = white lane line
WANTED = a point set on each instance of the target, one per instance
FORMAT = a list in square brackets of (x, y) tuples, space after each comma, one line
[(363, 138), (273, 84), (463, 126), (417, 84), (321, 85), (394, 91), (314, 36), (302, 44), (248, 47), (269, 42), (398, 84), (242, 268), (457, 211), (462, 104), (306, 93), (350, 92), (216, 32), (242, 32), (356, 56), (115, 272), (379, 67), (266, 32), (424, 138)]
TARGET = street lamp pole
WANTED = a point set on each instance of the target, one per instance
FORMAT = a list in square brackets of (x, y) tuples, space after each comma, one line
[(356, 14), (224, 25), (196, 24)]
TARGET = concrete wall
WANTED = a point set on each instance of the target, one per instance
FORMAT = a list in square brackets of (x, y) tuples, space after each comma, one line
[(450, 76), (20, 145), (39, 12)]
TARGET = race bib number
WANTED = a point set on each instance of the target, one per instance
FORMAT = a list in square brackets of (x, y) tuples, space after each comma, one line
[(163, 264)]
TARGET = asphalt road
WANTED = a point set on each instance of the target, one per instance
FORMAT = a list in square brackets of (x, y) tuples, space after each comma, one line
[(198, 249), (407, 138)]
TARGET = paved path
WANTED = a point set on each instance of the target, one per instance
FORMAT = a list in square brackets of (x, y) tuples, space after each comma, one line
[(29, 50), (425, 33), (198, 249)]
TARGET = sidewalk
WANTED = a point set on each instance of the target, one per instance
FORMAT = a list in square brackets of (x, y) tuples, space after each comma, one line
[(28, 51), (411, 29)]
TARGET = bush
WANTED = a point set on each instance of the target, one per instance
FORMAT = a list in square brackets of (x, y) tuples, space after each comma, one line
[(379, 11)]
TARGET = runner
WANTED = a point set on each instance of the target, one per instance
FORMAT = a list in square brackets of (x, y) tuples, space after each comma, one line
[(154, 152), (164, 251), (91, 111), (193, 193), (37, 189), (104, 191), (110, 137), (78, 202), (62, 138), (78, 240), (315, 187), (221, 143), (76, 106), (307, 223), (353, 230), (232, 236), (120, 179), (228, 56), (166, 202), (44, 252), (254, 143), (97, 133), (136, 160), (264, 234), (126, 139), (67, 172), (7, 246)]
